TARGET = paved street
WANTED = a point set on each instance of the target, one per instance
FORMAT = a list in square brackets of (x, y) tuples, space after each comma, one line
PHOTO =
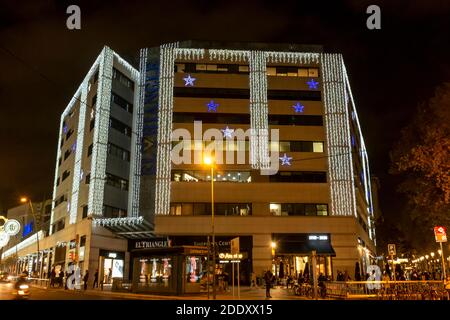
[(53, 294), (61, 294)]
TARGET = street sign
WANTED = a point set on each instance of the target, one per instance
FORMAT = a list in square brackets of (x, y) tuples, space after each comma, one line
[(440, 234), (235, 245), (12, 227), (391, 249)]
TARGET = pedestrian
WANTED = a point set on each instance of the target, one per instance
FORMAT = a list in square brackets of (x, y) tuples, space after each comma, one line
[(268, 278), (95, 285), (52, 277), (86, 279), (109, 275), (61, 279)]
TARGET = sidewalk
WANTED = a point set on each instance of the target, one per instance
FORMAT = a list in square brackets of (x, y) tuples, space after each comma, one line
[(247, 293)]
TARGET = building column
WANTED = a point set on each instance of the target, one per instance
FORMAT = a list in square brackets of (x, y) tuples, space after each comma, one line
[(261, 253)]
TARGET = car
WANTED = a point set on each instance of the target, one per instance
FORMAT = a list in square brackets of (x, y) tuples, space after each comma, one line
[(4, 277)]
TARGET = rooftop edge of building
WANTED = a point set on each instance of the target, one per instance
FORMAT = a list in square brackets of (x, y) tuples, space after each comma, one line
[(242, 45)]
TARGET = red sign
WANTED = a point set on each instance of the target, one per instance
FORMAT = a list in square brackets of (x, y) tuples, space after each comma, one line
[(440, 233)]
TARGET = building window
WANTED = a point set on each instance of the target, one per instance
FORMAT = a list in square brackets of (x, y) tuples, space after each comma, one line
[(123, 79), (295, 120), (94, 101), (190, 117), (90, 149), (298, 209), (204, 208), (120, 126), (59, 225), (112, 212), (59, 161), (299, 176), (85, 213), (116, 181), (65, 175), (82, 241), (68, 134), (57, 181), (60, 200), (67, 153), (88, 178), (118, 152), (121, 102), (297, 146), (92, 124)]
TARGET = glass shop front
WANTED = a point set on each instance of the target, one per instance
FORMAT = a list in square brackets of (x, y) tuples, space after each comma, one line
[(292, 255), (159, 267)]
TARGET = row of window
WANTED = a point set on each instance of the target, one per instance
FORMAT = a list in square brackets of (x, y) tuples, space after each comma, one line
[(245, 176), (204, 208), (116, 181), (244, 118), (298, 209), (244, 69), (113, 212), (120, 126), (244, 145), (205, 175), (245, 209), (121, 102), (123, 79), (233, 93)]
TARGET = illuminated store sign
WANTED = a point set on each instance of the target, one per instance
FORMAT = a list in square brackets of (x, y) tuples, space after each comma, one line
[(151, 243), (317, 237), (230, 257)]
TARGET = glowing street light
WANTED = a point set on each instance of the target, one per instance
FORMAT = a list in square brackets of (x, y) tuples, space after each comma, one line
[(207, 160)]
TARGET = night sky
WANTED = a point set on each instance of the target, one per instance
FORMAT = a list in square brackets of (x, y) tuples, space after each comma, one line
[(42, 63)]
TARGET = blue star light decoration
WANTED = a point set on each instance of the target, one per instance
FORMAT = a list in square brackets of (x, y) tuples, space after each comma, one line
[(285, 160), (298, 108), (312, 84), (189, 81), (227, 132), (65, 129), (212, 106)]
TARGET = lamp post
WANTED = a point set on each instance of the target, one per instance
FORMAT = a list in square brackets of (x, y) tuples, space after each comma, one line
[(27, 200), (209, 161)]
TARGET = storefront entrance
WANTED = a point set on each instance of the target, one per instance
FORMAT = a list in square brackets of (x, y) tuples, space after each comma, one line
[(292, 255), (111, 265)]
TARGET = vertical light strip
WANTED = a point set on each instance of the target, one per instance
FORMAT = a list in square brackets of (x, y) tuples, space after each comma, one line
[(167, 62), (338, 137), (78, 153), (259, 143), (100, 138), (365, 160), (63, 116), (136, 139)]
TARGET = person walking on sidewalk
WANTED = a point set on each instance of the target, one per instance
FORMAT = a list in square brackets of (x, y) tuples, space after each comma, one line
[(268, 278), (95, 285), (86, 279)]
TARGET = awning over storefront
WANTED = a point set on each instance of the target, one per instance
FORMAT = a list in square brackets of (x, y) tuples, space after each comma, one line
[(303, 244), (128, 227)]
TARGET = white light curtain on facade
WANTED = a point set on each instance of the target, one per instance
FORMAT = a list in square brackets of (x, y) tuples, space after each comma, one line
[(340, 167)]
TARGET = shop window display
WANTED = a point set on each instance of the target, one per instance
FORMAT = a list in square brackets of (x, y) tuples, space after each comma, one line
[(155, 272)]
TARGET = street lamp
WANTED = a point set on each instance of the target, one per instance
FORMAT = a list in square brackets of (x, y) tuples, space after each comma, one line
[(209, 162), (27, 200)]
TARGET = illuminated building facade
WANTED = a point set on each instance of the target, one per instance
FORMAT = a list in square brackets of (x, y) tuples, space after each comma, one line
[(319, 199), (94, 175)]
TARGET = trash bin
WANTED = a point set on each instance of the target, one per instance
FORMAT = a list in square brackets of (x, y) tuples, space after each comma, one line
[(116, 284)]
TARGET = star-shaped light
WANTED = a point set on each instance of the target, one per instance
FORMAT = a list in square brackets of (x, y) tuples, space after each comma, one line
[(189, 81), (212, 106), (65, 129), (227, 132), (285, 160), (312, 84), (298, 108), (74, 146)]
